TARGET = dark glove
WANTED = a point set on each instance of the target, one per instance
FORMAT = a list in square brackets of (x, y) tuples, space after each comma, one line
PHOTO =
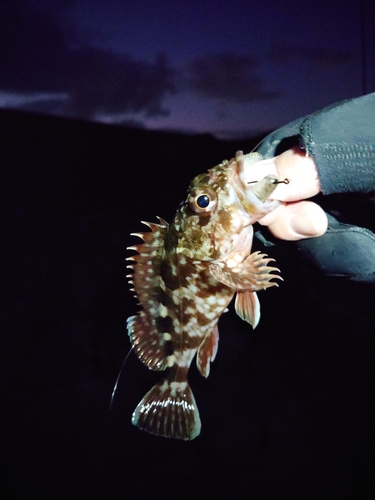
[(345, 250)]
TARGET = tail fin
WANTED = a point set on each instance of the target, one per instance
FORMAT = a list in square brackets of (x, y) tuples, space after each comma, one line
[(169, 410)]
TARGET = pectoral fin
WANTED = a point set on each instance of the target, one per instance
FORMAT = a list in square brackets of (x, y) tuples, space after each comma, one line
[(250, 275), (247, 307)]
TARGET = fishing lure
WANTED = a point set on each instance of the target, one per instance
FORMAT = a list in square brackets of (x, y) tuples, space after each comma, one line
[(185, 275)]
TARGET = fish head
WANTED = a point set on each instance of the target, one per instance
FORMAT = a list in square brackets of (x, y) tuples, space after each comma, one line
[(215, 221)]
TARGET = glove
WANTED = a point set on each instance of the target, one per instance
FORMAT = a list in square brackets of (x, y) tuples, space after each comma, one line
[(345, 250)]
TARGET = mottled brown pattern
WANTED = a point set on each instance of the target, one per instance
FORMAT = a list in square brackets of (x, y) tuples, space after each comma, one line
[(164, 324), (202, 319), (188, 269), (192, 240), (221, 175), (171, 239), (166, 300), (169, 347), (179, 374), (202, 221), (225, 218), (185, 317), (184, 304), (170, 279), (183, 299), (201, 179), (204, 293)]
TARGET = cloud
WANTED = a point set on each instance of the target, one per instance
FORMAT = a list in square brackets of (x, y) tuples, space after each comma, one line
[(39, 56), (45, 66), (227, 77), (324, 57), (18, 100), (104, 82)]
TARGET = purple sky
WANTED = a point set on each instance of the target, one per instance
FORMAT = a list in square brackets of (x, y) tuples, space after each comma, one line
[(229, 68)]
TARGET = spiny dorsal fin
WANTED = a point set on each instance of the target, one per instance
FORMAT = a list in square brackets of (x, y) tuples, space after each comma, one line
[(147, 263)]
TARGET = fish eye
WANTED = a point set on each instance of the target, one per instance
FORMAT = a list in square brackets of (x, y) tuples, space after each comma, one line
[(202, 201)]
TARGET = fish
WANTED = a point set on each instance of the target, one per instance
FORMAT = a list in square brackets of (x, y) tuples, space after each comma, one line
[(184, 276)]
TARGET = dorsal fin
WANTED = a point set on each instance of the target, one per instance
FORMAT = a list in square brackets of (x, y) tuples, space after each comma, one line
[(149, 344), (146, 276)]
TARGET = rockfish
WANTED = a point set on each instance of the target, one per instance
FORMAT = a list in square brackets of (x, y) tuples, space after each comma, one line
[(185, 275)]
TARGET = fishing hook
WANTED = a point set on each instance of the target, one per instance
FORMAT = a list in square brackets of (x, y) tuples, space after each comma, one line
[(285, 181)]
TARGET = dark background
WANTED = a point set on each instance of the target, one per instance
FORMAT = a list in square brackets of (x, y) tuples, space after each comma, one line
[(287, 411)]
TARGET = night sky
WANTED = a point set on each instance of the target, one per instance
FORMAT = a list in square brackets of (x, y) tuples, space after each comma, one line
[(232, 69)]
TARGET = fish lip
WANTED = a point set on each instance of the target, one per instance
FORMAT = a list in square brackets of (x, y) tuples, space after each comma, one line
[(239, 183), (254, 198), (241, 165), (236, 177)]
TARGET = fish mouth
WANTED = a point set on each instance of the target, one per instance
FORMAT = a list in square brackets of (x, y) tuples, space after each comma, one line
[(244, 165), (254, 196)]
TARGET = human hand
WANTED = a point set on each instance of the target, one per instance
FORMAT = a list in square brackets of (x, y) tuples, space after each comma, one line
[(295, 218)]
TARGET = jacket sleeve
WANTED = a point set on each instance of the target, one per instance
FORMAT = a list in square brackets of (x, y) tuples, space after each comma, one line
[(340, 138)]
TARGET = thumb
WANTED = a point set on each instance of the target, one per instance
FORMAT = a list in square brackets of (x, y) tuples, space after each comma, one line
[(299, 220)]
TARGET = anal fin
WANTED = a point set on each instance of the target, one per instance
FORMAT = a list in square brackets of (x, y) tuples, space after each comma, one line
[(207, 352)]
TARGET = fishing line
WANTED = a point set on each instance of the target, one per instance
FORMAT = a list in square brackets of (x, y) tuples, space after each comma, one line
[(117, 381)]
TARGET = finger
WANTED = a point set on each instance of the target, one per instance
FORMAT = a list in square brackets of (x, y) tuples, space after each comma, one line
[(294, 165), (273, 216), (299, 220), (301, 173)]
